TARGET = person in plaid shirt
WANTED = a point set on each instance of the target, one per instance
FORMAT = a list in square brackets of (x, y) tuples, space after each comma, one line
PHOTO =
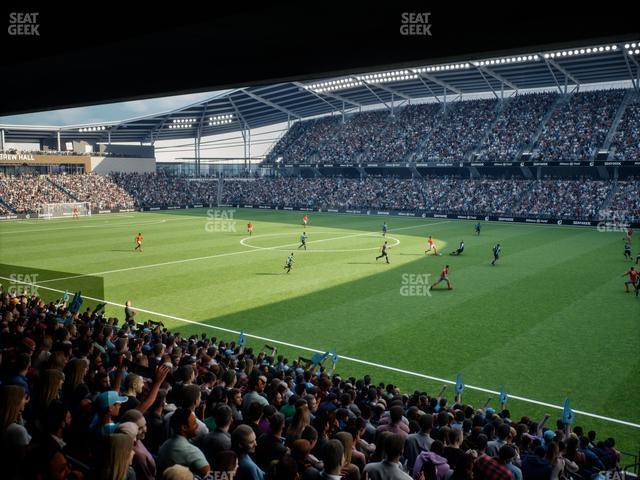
[(487, 468)]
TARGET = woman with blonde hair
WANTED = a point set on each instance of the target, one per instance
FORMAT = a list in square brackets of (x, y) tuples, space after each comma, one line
[(349, 470), (49, 389), (300, 420), (75, 389), (116, 458), (14, 438)]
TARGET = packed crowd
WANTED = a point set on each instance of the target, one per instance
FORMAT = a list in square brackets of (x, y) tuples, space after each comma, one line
[(27, 193), (404, 135), (579, 199), (565, 199), (99, 190), (350, 140), (626, 140), (302, 142), (516, 125), (84, 396), (336, 192), (459, 131), (473, 197), (547, 198), (153, 189), (497, 132), (626, 201), (578, 128)]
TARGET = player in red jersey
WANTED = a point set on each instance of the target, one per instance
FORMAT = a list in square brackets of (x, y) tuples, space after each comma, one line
[(75, 212), (138, 242), (305, 220), (444, 277), (250, 228), (431, 246), (629, 232), (633, 278)]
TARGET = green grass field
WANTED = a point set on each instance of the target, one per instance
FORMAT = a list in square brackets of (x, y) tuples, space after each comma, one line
[(551, 320)]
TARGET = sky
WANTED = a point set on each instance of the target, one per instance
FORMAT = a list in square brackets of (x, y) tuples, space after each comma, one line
[(106, 113), (228, 146)]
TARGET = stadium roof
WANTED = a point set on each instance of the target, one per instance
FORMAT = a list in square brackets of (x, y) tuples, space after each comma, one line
[(259, 106)]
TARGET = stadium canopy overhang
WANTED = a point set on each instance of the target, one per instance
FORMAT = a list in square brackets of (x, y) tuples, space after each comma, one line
[(259, 106)]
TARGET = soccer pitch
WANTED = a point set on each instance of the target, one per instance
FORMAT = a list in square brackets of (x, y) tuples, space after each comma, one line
[(550, 321)]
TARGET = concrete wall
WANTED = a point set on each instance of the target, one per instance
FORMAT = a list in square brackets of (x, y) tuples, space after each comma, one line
[(106, 165)]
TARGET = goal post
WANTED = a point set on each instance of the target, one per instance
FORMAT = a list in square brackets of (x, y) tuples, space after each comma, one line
[(65, 210)]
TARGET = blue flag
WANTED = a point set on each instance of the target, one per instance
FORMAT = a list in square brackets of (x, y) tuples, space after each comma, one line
[(241, 339), (319, 358), (65, 297), (503, 396), (567, 413), (99, 307), (76, 303), (459, 385), (334, 356)]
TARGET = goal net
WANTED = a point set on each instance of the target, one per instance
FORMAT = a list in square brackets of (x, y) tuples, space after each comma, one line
[(62, 210)]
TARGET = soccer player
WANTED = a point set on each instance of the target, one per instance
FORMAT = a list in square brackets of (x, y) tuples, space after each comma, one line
[(384, 252), (627, 248), (250, 228), (289, 263), (431, 246), (460, 249), (384, 229), (303, 240), (305, 220), (138, 242), (444, 277), (633, 278), (477, 228), (629, 232), (496, 253), (75, 212)]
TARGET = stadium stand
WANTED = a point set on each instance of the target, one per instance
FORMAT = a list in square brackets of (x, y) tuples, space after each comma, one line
[(516, 124), (26, 193), (82, 394), (152, 189), (495, 131), (627, 199), (626, 142), (581, 199), (459, 131), (577, 129), (99, 190)]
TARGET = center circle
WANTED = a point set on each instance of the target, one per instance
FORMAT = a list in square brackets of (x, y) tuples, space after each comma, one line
[(282, 248)]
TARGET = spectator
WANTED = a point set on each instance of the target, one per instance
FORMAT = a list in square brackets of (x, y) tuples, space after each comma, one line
[(143, 462), (389, 468), (178, 450), (115, 456), (243, 443), (14, 438)]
